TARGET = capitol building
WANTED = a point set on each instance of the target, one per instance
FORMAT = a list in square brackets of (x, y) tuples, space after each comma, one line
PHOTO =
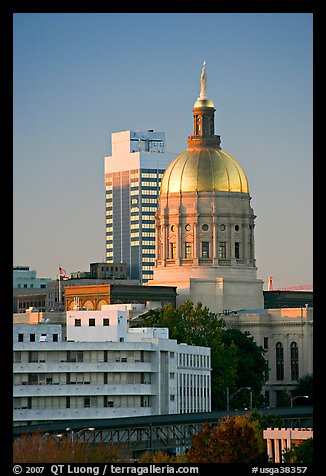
[(205, 246)]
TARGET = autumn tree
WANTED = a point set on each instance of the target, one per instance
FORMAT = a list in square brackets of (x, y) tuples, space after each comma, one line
[(232, 440), (36, 448), (161, 457)]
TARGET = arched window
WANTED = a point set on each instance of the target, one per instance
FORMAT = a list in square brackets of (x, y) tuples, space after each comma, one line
[(279, 361), (294, 361)]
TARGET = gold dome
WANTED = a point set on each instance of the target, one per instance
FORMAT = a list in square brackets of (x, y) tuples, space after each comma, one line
[(204, 170)]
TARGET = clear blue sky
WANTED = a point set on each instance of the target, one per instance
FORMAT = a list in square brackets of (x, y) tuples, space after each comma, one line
[(79, 77)]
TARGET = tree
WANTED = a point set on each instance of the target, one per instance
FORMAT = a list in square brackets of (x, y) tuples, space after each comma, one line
[(304, 387), (232, 440), (51, 449), (251, 366), (300, 453)]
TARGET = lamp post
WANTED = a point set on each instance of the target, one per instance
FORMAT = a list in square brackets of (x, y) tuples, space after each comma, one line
[(75, 434), (228, 396), (298, 396)]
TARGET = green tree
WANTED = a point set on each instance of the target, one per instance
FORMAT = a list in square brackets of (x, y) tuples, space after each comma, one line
[(232, 440), (304, 387), (251, 366), (300, 453)]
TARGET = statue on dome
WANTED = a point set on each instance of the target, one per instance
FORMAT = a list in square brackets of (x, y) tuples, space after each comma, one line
[(203, 81)]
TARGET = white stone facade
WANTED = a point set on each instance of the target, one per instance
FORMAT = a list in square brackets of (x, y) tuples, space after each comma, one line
[(280, 440), (286, 335), (145, 374)]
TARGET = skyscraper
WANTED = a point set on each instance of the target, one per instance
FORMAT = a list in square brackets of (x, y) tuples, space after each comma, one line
[(132, 182)]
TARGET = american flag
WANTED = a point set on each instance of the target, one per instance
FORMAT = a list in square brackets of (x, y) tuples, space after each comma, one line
[(63, 274)]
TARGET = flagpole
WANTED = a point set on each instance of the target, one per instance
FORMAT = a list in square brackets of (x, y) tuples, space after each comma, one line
[(59, 290)]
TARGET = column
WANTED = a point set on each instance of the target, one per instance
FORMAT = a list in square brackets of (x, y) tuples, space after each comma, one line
[(276, 451), (196, 251), (178, 244), (164, 233), (270, 449), (246, 253), (284, 448), (232, 254), (215, 248), (157, 243)]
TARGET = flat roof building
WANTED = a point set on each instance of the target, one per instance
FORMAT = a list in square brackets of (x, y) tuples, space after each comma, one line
[(105, 370)]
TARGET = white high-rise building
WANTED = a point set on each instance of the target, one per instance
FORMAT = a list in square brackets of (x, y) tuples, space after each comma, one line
[(132, 182)]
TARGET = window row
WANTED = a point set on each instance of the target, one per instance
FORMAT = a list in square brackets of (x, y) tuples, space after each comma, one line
[(77, 378), (205, 250), (98, 401), (87, 356), (194, 360), (37, 338)]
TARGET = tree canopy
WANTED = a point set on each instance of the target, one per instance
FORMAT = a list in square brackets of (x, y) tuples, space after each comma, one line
[(232, 440)]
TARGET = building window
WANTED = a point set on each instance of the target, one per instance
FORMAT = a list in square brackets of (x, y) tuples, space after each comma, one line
[(173, 250), (20, 337), (187, 250), (205, 249), (77, 322), (237, 250), (222, 250), (265, 343), (294, 361), (91, 322), (55, 337), (32, 337), (279, 361), (106, 322)]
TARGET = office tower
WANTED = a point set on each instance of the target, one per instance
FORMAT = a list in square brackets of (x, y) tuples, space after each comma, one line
[(132, 183)]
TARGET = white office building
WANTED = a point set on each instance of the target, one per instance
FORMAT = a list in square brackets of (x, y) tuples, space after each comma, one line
[(103, 369), (132, 183)]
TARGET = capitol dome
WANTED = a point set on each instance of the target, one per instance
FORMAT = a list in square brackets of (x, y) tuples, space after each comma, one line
[(204, 166), (204, 170)]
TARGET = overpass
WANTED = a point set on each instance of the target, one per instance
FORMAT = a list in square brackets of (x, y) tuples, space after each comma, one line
[(156, 432)]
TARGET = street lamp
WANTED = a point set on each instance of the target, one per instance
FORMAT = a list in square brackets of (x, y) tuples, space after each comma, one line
[(228, 396), (74, 434), (298, 396)]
